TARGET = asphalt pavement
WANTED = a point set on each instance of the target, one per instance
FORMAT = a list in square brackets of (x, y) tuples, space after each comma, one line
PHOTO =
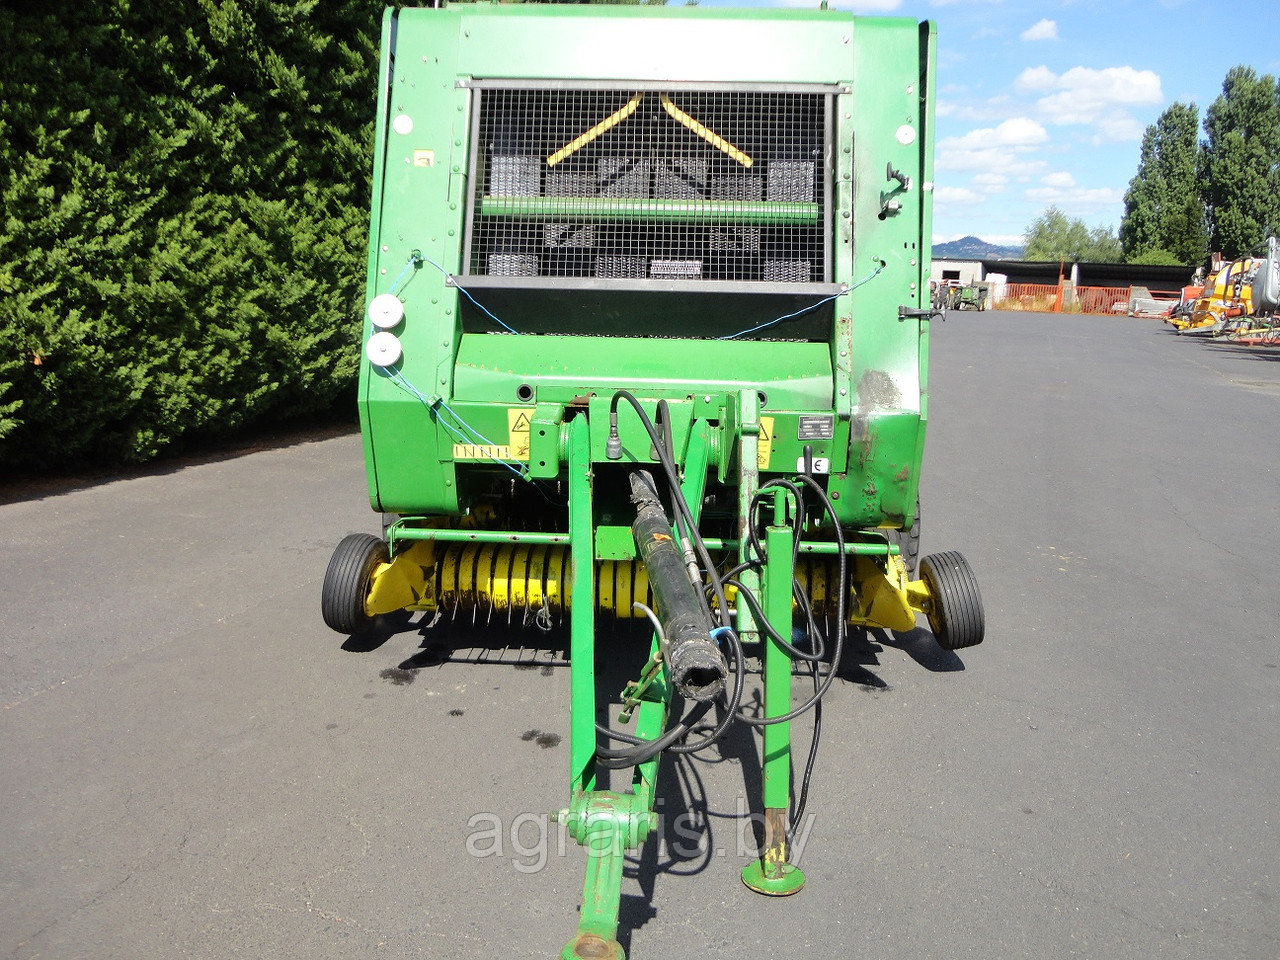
[(192, 765)]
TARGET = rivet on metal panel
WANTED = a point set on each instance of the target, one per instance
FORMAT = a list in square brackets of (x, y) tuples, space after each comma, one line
[(843, 392)]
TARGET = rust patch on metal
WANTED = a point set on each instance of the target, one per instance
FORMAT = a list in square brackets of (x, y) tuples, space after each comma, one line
[(877, 389), (902, 475)]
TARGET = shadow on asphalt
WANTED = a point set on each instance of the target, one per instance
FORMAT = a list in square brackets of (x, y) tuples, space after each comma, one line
[(49, 483), (920, 646), (692, 833)]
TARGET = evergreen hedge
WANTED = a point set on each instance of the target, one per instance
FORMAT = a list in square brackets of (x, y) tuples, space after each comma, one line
[(185, 202)]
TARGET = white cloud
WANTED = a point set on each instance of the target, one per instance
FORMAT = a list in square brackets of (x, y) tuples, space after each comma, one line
[(1059, 178), (1043, 30), (1075, 196), (1000, 149), (1035, 80), (956, 196), (1016, 132), (1098, 98), (990, 110), (993, 182)]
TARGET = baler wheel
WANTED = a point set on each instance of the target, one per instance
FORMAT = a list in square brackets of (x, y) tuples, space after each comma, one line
[(908, 542), (955, 611), (346, 582)]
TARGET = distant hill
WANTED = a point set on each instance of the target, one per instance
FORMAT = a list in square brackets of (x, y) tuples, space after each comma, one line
[(972, 248)]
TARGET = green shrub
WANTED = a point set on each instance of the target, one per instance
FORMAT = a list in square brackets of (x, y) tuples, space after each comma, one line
[(185, 196)]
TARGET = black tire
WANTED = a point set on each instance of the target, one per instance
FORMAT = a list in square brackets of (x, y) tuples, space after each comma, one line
[(955, 611), (908, 542), (346, 582)]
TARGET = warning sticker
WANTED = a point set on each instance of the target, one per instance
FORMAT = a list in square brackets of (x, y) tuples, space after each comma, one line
[(764, 443), (518, 431), (481, 451)]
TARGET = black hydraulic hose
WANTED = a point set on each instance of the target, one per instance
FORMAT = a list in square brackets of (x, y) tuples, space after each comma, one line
[(757, 611), (673, 481), (618, 759), (731, 709), (838, 649), (739, 682), (802, 799), (694, 662)]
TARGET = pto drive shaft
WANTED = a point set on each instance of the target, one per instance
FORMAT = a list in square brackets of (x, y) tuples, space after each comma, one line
[(694, 661)]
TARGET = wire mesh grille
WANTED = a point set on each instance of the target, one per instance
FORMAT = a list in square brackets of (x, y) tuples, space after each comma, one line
[(678, 185)]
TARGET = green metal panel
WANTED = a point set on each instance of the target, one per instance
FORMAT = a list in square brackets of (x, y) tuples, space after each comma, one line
[(796, 376), (857, 361)]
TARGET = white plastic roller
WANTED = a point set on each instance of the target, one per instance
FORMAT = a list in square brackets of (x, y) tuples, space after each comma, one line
[(383, 349), (385, 311)]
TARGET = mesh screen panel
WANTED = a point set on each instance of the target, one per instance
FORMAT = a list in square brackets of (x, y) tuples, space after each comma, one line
[(675, 185)]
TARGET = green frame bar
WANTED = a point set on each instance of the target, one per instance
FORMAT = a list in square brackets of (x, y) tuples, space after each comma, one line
[(752, 212), (582, 635), (778, 574), (819, 547)]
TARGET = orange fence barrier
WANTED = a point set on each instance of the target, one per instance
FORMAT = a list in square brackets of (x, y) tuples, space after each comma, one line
[(1040, 297), (1055, 298)]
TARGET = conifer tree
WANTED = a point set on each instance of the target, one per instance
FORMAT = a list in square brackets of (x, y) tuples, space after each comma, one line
[(1164, 215), (1238, 163), (185, 189)]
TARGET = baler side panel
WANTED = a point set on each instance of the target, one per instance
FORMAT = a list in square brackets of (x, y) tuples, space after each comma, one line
[(885, 121), (386, 54), (423, 177)]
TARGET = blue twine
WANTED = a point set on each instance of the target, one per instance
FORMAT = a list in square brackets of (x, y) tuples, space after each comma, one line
[(812, 306), (467, 293)]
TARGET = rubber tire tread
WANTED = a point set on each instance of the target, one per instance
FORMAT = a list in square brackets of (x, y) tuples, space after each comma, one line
[(957, 619), (908, 543), (346, 582)]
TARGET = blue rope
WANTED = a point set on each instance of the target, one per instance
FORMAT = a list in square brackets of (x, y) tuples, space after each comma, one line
[(812, 306), (407, 267), (467, 293), (460, 429)]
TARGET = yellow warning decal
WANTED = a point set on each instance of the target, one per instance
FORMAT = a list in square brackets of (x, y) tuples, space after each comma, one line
[(764, 443), (481, 451), (518, 431)]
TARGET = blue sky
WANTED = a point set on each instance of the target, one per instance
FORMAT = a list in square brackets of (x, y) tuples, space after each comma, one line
[(1044, 102)]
